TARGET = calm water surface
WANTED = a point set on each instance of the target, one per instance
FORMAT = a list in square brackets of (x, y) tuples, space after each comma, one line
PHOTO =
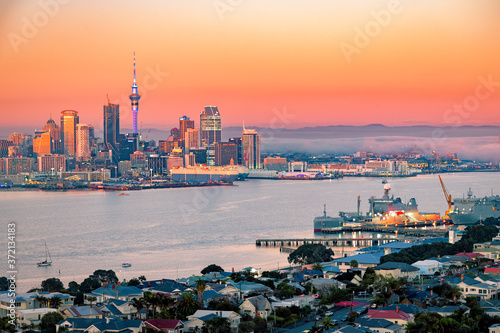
[(176, 232)]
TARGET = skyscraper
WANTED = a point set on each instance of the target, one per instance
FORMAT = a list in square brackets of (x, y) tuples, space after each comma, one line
[(210, 131), (111, 124), (134, 98), (251, 148), (82, 142), (191, 139), (69, 120), (184, 123)]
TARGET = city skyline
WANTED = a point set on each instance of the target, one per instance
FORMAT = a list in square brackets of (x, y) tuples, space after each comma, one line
[(389, 62)]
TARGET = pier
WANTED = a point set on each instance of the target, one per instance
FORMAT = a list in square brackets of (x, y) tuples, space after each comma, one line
[(403, 231), (347, 242)]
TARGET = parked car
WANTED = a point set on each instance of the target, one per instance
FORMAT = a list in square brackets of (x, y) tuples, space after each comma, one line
[(329, 313), (344, 318)]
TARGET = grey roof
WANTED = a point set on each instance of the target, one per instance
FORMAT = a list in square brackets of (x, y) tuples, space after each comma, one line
[(350, 329), (113, 325), (363, 258), (447, 309), (367, 322), (406, 308), (489, 303), (261, 302), (404, 267)]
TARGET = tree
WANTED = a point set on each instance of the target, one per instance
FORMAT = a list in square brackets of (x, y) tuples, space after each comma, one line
[(327, 323), (4, 284), (200, 290), (246, 327), (42, 301), (142, 278), (49, 321), (102, 275), (353, 263), (55, 302), (216, 325), (52, 284), (89, 284), (310, 254), (133, 282), (187, 305), (138, 305), (318, 267), (211, 268), (73, 288)]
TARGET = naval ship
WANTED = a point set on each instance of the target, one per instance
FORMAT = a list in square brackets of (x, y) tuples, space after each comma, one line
[(470, 210)]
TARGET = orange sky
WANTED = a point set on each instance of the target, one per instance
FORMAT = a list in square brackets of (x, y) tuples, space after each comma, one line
[(251, 58)]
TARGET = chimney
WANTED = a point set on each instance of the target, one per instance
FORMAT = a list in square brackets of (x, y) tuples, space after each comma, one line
[(397, 308), (439, 256), (432, 292), (119, 283), (113, 287), (462, 277), (107, 319), (149, 283), (232, 269)]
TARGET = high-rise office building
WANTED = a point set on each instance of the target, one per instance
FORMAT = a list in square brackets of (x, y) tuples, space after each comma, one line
[(134, 99), (69, 120), (239, 148), (111, 116), (42, 143), (191, 138), (251, 148), (184, 123), (82, 142), (210, 131), (55, 136), (225, 152), (16, 138), (52, 163)]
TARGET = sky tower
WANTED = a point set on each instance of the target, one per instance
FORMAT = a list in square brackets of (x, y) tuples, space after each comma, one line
[(134, 98)]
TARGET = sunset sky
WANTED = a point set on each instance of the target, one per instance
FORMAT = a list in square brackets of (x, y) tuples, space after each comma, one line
[(251, 58)]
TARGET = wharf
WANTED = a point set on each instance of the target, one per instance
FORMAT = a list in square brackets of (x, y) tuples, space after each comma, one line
[(348, 242), (404, 231)]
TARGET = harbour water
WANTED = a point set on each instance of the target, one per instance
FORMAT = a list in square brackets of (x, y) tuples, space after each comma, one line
[(177, 232)]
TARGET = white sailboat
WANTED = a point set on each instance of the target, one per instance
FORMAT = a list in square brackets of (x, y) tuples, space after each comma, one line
[(48, 259)]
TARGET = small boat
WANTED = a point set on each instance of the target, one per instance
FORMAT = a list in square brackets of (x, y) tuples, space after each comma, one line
[(384, 181), (126, 264), (120, 194), (46, 262)]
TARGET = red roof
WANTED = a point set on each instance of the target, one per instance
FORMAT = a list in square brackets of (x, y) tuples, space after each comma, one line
[(349, 303), (388, 314), (469, 254), (163, 323), (492, 270)]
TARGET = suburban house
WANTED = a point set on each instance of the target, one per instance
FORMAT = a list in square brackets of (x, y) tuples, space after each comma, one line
[(210, 295), (163, 325), (124, 293), (92, 325), (118, 309), (428, 267), (247, 288), (364, 261), (380, 325), (196, 320), (300, 301), (447, 310), (34, 300), (231, 292), (32, 316), (84, 311), (329, 272), (478, 289), (394, 316), (257, 306), (397, 270)]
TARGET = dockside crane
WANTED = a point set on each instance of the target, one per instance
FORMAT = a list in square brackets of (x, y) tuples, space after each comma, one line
[(447, 197)]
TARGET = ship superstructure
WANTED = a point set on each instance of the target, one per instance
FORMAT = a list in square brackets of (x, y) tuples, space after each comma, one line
[(470, 210)]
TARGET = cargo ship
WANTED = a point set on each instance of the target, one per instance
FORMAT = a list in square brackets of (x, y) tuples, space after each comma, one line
[(386, 210), (203, 174), (470, 210)]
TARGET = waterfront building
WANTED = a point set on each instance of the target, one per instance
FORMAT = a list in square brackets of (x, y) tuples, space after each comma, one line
[(52, 163), (251, 148), (134, 99), (191, 138), (239, 148), (225, 152), (174, 162), (184, 123), (275, 163), (16, 165), (111, 116), (82, 142), (155, 164), (16, 138), (4, 147), (138, 159), (190, 160), (124, 167), (69, 120), (210, 131)]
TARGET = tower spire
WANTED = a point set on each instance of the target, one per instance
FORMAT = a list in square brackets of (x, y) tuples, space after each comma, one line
[(135, 83)]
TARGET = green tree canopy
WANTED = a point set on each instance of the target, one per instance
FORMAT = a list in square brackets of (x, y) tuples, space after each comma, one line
[(133, 282), (211, 268), (49, 321), (102, 275), (4, 283), (52, 284), (310, 254), (353, 263), (216, 325)]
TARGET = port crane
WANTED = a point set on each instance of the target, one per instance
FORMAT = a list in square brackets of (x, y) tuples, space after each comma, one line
[(447, 197)]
